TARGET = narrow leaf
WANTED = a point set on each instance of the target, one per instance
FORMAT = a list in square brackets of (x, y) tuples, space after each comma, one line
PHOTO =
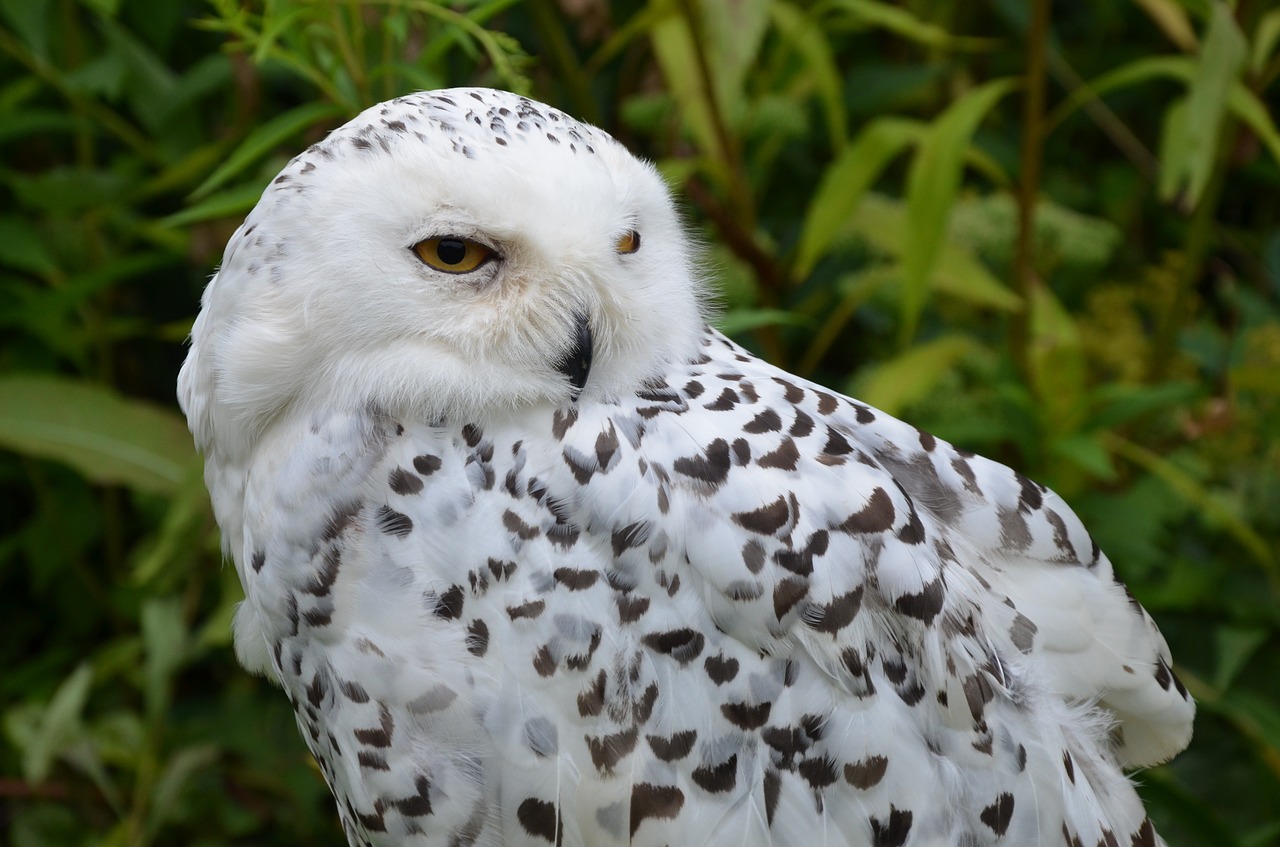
[(741, 320), (912, 375), (808, 39), (1246, 106), (902, 22), (1218, 68), (957, 273), (932, 186), (1131, 73), (1193, 492), (845, 181), (265, 139), (108, 438), (1266, 34), (60, 725), (1173, 21), (234, 202)]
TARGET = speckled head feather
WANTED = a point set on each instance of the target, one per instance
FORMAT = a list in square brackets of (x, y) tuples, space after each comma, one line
[(319, 288), (541, 559)]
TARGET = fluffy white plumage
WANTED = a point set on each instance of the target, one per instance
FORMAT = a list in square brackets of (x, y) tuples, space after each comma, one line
[(539, 558)]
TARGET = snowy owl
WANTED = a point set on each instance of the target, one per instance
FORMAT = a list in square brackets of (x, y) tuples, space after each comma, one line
[(541, 558)]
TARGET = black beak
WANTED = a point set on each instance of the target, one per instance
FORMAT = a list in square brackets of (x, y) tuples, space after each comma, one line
[(577, 364)]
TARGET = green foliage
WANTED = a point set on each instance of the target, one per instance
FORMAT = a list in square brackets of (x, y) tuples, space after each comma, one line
[(1052, 240)]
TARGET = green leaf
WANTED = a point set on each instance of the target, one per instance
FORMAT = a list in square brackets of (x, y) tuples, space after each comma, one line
[(108, 438), (106, 8), (932, 186), (186, 515), (46, 733), (1130, 73), (1246, 106), (845, 181), (741, 320), (30, 122), (1197, 125), (1214, 511), (21, 247), (1236, 646), (264, 140), (1115, 404), (907, 378), (902, 22), (175, 779), (676, 51), (234, 202), (1057, 361), (31, 21), (805, 35), (1173, 21), (1266, 34), (164, 639), (734, 34), (957, 273), (1258, 716), (1086, 451)]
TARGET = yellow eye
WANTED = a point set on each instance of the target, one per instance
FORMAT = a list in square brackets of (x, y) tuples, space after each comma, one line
[(452, 255), (628, 242)]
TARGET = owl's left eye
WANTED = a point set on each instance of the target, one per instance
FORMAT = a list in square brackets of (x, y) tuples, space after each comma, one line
[(452, 255), (628, 242)]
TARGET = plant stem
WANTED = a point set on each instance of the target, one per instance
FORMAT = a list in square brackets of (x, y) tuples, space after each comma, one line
[(1200, 235), (738, 187), (1024, 271), (548, 21)]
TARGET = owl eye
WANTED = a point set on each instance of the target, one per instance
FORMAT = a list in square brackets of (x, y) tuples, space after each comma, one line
[(628, 242), (452, 255)]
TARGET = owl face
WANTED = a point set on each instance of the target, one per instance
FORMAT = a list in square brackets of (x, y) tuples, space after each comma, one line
[(466, 253)]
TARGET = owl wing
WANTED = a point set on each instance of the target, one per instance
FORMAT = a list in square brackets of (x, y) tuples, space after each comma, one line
[(1050, 590), (1040, 584)]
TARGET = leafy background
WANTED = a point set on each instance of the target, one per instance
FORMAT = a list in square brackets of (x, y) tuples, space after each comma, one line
[(1051, 235)]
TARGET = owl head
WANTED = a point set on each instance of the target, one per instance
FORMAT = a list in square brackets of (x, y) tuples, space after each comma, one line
[(463, 253)]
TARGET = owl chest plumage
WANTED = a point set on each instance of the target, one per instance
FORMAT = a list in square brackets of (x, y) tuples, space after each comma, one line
[(726, 609)]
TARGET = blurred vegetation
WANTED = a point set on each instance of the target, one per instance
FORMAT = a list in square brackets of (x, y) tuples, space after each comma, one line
[(1049, 235)]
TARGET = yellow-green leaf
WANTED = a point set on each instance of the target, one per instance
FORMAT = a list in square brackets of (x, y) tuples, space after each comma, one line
[(957, 273), (846, 180), (910, 376), (932, 185)]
